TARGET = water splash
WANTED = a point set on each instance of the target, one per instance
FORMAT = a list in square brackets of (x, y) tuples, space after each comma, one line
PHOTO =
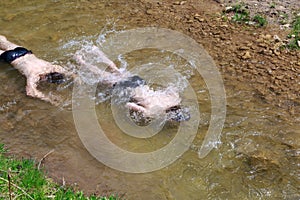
[(157, 76)]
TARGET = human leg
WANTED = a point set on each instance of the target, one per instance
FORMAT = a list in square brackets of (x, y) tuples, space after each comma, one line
[(6, 45)]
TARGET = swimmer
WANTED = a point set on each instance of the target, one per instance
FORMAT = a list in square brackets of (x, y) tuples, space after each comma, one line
[(143, 99), (33, 68)]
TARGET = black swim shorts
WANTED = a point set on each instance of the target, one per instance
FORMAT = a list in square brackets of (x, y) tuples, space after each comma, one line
[(11, 55), (131, 82)]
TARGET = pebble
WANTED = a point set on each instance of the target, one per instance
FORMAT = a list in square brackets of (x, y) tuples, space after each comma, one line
[(279, 77), (268, 37), (276, 38), (179, 2), (247, 55), (150, 12), (262, 45), (224, 25), (200, 19), (244, 48), (277, 53), (228, 8)]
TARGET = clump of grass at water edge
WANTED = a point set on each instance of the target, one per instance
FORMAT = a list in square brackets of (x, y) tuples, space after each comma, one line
[(21, 179)]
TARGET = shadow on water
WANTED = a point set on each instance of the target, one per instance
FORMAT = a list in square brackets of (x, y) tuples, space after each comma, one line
[(257, 159)]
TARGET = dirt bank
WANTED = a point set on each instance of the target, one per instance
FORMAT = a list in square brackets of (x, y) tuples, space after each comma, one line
[(243, 53)]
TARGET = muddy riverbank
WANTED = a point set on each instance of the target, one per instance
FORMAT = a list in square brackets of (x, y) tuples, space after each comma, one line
[(244, 53)]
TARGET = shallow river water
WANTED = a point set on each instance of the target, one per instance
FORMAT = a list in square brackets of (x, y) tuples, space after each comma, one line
[(257, 155)]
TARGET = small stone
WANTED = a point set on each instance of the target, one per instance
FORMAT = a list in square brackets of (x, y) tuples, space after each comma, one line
[(197, 16), (276, 38), (262, 45), (228, 8), (270, 71), (200, 19), (281, 8), (246, 55), (277, 53), (244, 48), (285, 26), (179, 2), (259, 40), (268, 36), (150, 12), (298, 43), (279, 77), (224, 25)]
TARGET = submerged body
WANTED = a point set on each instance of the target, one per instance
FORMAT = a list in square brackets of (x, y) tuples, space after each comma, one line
[(150, 103), (143, 98), (33, 68)]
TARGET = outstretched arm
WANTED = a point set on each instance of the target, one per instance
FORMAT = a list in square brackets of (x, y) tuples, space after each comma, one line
[(94, 69), (105, 59)]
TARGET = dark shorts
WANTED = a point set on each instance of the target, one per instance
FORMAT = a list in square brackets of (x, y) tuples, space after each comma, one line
[(131, 82), (11, 55)]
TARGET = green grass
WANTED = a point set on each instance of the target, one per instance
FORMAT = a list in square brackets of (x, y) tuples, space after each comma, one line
[(294, 34), (240, 14), (20, 179), (260, 20)]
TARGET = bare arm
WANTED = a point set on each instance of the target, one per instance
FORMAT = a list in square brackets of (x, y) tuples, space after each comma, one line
[(105, 59), (79, 59)]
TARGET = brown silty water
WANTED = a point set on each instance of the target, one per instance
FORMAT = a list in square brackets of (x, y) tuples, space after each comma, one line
[(257, 158)]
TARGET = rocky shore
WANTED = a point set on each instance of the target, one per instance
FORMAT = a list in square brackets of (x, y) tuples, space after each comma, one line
[(257, 56)]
